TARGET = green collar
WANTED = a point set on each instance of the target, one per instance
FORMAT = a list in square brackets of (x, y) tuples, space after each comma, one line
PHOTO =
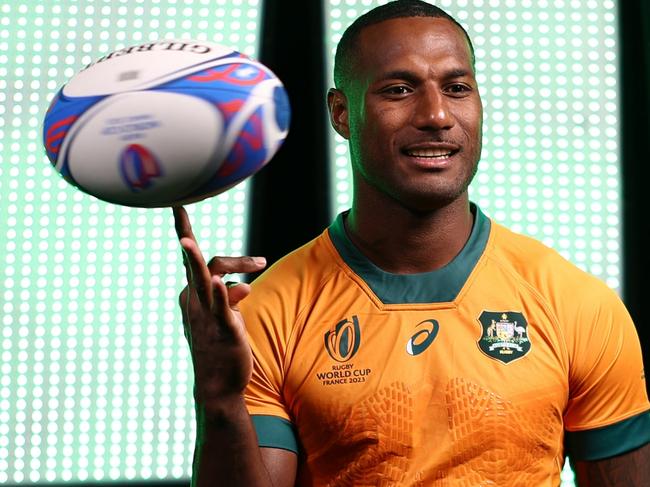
[(439, 286)]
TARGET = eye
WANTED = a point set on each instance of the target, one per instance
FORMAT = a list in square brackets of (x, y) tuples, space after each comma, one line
[(458, 89), (396, 90)]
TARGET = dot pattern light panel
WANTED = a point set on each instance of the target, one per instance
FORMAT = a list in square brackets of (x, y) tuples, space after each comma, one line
[(96, 378), (547, 73)]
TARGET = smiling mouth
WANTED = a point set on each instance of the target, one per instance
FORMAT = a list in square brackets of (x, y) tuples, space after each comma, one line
[(431, 153)]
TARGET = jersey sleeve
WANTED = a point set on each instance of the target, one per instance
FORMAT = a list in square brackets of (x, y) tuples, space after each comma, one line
[(607, 410), (268, 334)]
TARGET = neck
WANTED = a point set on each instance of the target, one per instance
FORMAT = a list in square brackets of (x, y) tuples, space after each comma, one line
[(402, 241)]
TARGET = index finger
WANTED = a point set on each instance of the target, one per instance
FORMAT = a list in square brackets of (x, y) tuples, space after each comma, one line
[(198, 275), (182, 223), (184, 231)]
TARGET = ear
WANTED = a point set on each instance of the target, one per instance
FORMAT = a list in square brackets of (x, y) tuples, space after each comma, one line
[(337, 104)]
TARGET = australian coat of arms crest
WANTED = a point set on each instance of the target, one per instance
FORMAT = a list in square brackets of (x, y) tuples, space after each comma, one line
[(505, 335)]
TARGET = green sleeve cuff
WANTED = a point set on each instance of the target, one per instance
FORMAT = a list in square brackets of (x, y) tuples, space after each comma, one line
[(609, 441), (275, 432)]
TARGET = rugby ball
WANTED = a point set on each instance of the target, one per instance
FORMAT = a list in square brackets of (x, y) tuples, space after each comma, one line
[(166, 123)]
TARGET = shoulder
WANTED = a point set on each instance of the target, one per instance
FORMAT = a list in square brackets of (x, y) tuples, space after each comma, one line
[(545, 270), (605, 413), (304, 266), (295, 279)]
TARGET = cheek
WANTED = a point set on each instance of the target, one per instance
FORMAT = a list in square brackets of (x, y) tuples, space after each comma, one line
[(381, 125), (472, 124)]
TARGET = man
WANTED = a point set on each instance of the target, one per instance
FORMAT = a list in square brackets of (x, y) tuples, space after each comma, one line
[(415, 342)]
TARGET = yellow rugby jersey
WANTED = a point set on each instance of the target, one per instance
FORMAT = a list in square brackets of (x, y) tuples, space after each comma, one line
[(475, 374)]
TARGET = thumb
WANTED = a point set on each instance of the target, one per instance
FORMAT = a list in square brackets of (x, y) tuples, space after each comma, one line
[(236, 292)]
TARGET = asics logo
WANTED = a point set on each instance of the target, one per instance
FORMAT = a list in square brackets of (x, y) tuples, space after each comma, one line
[(427, 331)]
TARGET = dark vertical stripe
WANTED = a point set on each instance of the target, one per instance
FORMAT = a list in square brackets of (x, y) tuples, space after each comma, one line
[(634, 29), (289, 201)]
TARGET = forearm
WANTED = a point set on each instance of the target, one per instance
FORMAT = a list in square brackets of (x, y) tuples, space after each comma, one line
[(226, 450), (631, 469)]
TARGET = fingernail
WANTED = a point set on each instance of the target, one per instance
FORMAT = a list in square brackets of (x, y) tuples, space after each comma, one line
[(259, 260)]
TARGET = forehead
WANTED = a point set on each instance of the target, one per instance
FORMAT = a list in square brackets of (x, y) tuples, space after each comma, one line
[(423, 39)]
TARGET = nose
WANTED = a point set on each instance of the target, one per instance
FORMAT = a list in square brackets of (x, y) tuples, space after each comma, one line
[(432, 111)]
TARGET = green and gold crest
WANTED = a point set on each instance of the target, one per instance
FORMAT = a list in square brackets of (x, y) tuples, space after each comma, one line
[(505, 335)]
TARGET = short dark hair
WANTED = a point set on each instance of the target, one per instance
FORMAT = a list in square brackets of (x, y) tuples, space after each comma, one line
[(392, 10)]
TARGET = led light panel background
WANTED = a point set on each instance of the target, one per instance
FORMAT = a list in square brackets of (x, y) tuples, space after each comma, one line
[(95, 377), (547, 71)]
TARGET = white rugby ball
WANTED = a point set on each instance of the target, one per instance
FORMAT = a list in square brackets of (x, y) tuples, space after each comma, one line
[(166, 123)]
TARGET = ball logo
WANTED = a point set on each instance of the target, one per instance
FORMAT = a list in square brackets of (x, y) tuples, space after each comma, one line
[(139, 167), (420, 341), (342, 342)]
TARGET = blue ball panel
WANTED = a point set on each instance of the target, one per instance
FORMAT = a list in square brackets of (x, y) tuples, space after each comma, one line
[(240, 77), (282, 108), (247, 155), (60, 116)]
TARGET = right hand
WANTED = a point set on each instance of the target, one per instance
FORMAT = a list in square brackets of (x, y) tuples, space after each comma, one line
[(214, 327)]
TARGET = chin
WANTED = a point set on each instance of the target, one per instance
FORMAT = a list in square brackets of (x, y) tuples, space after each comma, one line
[(425, 203), (434, 197)]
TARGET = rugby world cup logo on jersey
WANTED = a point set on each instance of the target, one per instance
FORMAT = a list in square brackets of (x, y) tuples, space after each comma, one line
[(343, 340), (139, 167), (504, 335)]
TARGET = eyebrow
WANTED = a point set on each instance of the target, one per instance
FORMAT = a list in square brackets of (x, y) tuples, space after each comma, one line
[(458, 73), (412, 77), (399, 74)]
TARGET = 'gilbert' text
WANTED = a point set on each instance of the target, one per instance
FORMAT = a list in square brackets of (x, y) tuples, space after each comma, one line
[(155, 46)]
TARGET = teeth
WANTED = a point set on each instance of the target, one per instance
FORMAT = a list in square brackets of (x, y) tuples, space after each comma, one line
[(429, 153)]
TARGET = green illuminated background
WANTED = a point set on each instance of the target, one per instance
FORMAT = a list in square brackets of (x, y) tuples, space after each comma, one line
[(547, 72), (96, 374), (96, 380)]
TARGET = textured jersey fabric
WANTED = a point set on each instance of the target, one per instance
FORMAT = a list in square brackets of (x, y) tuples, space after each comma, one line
[(473, 374)]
